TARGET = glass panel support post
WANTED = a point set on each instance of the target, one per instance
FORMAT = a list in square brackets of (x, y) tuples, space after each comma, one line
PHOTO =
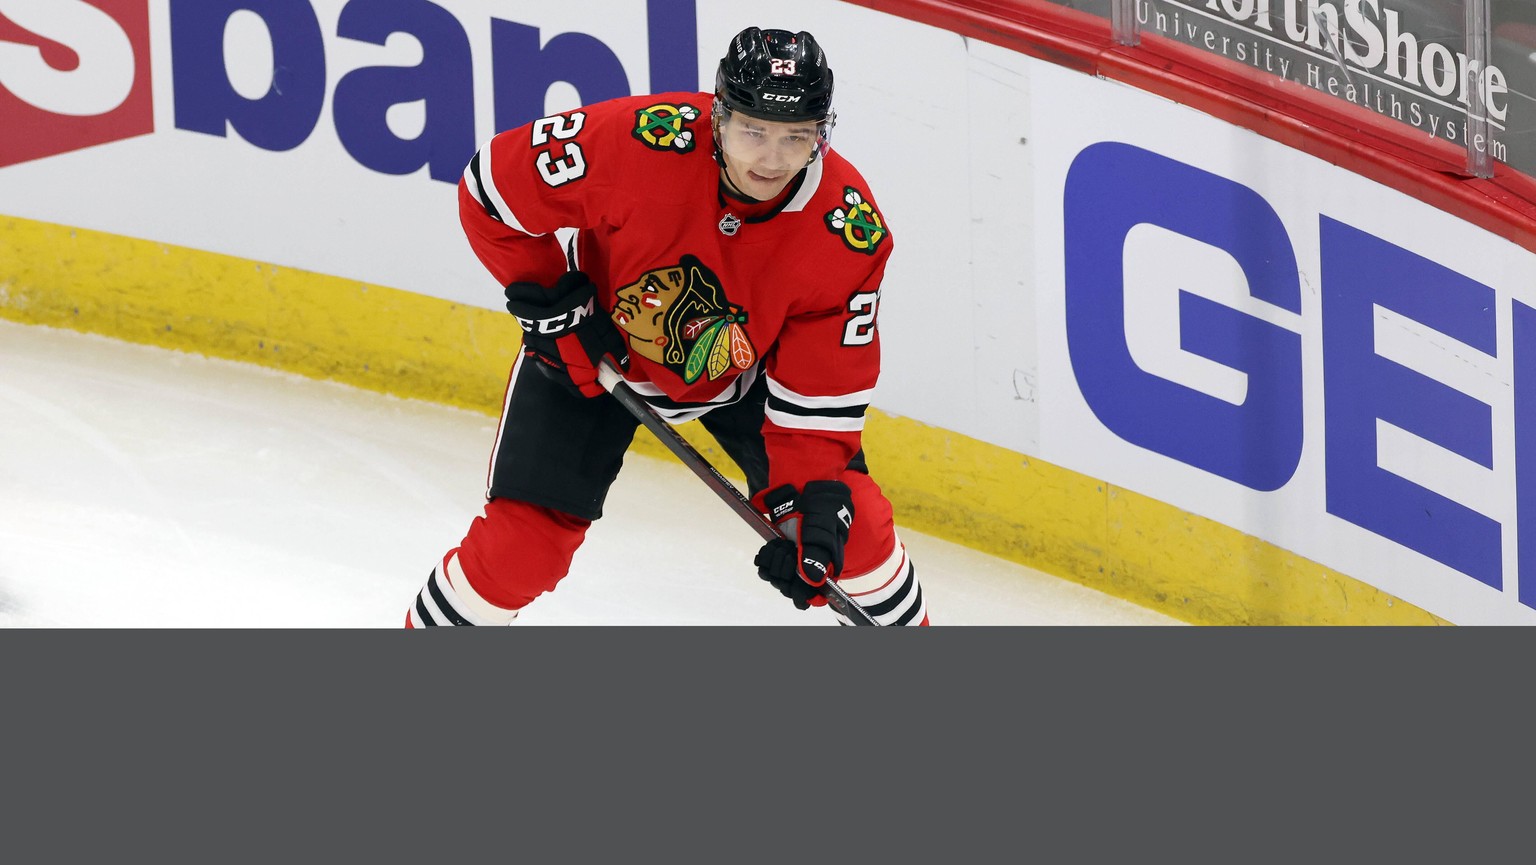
[(1122, 19), (1479, 132)]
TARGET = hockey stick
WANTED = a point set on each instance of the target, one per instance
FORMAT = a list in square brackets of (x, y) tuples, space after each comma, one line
[(611, 381)]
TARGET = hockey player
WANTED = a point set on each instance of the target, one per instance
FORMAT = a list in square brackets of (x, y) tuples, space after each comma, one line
[(728, 261)]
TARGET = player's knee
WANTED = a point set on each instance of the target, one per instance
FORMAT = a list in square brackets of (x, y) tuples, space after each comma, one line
[(512, 554)]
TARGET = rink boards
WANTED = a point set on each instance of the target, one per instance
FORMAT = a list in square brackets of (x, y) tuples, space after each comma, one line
[(1135, 346)]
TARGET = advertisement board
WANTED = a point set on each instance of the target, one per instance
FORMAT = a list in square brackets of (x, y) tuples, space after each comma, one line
[(1256, 336)]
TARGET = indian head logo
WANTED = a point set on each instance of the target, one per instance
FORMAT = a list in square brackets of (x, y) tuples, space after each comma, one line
[(665, 127), (680, 317), (861, 227)]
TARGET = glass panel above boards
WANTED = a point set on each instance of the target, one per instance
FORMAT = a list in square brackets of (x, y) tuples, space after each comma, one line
[(1462, 71)]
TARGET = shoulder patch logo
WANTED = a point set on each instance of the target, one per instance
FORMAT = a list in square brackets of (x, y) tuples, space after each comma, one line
[(680, 317), (861, 227), (665, 127)]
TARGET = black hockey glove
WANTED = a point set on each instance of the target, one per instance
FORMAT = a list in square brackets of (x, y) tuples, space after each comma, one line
[(566, 331), (815, 526)]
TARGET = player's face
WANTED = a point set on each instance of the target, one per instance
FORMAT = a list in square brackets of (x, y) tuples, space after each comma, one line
[(763, 156)]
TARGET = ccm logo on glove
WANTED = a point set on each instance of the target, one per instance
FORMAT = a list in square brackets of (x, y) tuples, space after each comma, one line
[(562, 330), (561, 324)]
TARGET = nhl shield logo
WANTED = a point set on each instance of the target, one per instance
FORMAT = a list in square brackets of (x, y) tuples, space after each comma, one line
[(729, 225)]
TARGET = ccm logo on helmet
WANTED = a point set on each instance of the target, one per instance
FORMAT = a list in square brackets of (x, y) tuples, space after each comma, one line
[(780, 97)]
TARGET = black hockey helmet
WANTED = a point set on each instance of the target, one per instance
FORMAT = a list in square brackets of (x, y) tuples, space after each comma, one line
[(775, 75)]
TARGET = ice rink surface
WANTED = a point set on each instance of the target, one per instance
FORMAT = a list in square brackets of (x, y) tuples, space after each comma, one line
[(147, 488)]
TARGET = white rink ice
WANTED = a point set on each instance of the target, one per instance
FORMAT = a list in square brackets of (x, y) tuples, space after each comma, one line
[(141, 487)]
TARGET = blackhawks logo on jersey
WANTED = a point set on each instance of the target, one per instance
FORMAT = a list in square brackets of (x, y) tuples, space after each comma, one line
[(861, 227), (680, 317), (665, 127)]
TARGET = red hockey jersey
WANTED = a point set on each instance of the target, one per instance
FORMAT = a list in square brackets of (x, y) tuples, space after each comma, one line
[(710, 291)]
